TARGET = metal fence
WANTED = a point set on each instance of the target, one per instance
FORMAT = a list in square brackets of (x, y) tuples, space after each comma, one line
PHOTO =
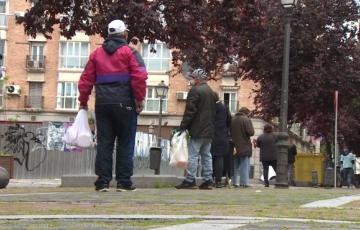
[(40, 152)]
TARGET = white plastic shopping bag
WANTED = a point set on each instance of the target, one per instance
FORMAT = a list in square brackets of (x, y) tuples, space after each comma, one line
[(79, 133), (271, 174), (179, 150)]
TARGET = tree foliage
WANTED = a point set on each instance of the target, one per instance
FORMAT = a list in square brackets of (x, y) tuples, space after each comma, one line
[(248, 33)]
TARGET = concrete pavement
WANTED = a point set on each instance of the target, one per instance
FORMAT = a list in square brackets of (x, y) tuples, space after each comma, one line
[(200, 222), (331, 203)]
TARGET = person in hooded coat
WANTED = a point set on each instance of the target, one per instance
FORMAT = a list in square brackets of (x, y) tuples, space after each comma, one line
[(241, 131), (119, 75)]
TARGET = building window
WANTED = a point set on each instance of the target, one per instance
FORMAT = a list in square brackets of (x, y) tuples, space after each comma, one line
[(156, 57), (152, 103), (35, 98), (73, 54), (37, 51), (230, 101), (67, 95), (3, 17)]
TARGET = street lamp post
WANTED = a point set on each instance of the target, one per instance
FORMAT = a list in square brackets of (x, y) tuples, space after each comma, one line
[(161, 91), (282, 144), (155, 152)]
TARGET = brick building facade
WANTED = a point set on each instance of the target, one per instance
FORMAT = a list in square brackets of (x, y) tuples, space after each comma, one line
[(40, 78)]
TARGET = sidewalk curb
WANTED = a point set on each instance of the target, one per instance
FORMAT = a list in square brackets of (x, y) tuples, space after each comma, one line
[(164, 217)]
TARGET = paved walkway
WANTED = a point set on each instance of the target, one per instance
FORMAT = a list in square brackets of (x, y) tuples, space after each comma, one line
[(34, 183), (331, 203), (206, 222), (164, 217), (210, 225)]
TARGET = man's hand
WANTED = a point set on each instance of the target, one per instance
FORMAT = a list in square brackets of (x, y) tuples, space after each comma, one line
[(180, 130), (254, 143), (83, 107), (139, 106)]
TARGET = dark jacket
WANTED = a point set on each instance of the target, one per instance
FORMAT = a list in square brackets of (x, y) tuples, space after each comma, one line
[(267, 144), (241, 131), (291, 154), (220, 143), (200, 112), (117, 72)]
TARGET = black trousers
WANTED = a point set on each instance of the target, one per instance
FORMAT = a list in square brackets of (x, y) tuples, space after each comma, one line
[(266, 165), (218, 165), (228, 169), (115, 122)]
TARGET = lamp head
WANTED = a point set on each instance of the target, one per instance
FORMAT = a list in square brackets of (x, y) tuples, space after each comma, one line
[(161, 89)]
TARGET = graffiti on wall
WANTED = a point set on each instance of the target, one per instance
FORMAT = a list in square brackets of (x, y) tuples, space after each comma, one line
[(55, 133), (22, 144)]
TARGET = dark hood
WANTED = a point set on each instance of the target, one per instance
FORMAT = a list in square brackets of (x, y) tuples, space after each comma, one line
[(240, 114), (110, 45)]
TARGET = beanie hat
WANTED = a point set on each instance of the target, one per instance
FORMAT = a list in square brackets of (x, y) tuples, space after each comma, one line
[(199, 74)]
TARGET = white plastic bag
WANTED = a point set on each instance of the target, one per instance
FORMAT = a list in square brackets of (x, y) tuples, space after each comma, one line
[(79, 133), (179, 150), (271, 174)]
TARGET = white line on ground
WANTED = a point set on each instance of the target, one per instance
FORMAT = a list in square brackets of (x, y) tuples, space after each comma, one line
[(331, 203), (208, 225), (169, 217)]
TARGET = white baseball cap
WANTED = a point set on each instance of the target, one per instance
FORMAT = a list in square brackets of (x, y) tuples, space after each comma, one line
[(116, 27)]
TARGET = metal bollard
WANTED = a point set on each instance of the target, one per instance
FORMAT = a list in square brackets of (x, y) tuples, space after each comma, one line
[(155, 159)]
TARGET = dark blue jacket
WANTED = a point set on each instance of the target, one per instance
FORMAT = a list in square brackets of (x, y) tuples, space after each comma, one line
[(220, 143)]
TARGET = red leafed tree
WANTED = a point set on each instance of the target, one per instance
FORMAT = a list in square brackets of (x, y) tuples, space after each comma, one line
[(249, 33), (323, 58)]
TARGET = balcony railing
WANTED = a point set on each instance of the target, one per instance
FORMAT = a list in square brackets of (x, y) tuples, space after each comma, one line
[(35, 63), (34, 102)]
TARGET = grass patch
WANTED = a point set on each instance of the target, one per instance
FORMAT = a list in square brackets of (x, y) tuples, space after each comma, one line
[(354, 204), (91, 224), (159, 184), (169, 201)]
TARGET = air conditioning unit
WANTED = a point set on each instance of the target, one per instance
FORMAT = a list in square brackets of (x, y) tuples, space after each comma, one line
[(13, 89), (19, 13), (181, 95)]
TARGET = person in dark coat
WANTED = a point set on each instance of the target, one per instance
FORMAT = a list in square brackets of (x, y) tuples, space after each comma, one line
[(241, 131), (220, 143), (267, 144), (199, 120)]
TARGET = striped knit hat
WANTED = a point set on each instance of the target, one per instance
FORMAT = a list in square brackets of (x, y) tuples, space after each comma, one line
[(199, 74)]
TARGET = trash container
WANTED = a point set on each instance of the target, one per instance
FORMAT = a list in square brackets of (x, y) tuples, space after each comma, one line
[(305, 164), (155, 159)]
